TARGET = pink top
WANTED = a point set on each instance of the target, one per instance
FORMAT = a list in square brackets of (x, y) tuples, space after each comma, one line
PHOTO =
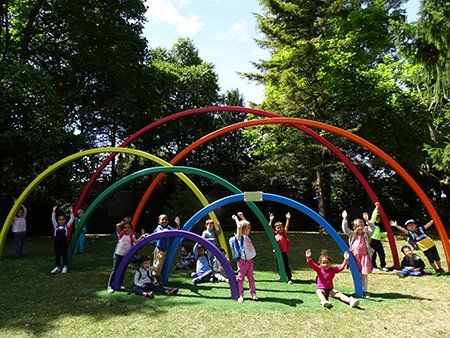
[(283, 241), (359, 250), (324, 277)]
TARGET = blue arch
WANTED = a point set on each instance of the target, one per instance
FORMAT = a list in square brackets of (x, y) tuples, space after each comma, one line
[(270, 198), (118, 278)]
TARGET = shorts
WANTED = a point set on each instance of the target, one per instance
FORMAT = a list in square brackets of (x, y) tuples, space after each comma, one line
[(327, 292), (432, 254)]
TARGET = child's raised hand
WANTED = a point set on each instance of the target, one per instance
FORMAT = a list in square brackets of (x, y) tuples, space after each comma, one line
[(271, 216), (344, 214), (393, 223), (365, 216), (71, 209), (308, 253), (377, 204), (177, 221), (234, 217), (288, 215), (346, 255), (241, 215), (55, 208)]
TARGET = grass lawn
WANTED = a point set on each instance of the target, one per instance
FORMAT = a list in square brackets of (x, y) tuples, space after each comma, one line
[(35, 303)]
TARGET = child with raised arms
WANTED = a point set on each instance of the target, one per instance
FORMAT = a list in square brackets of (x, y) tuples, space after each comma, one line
[(280, 231), (61, 229), (325, 275)]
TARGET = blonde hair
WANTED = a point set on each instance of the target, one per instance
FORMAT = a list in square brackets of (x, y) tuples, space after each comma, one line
[(358, 221)]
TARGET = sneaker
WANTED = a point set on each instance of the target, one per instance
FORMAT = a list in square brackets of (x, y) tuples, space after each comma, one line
[(173, 292), (326, 304), (122, 288), (254, 298), (55, 270), (64, 269), (366, 295), (375, 269), (353, 302), (149, 294), (385, 269), (196, 280), (441, 271), (399, 274), (110, 289), (290, 281), (241, 299)]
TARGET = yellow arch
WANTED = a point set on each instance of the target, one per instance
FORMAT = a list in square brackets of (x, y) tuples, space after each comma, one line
[(76, 156)]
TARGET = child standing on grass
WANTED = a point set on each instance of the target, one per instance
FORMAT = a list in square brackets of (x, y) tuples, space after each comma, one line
[(19, 229), (247, 253), (280, 233), (126, 241), (411, 265), (203, 271), (325, 275), (144, 284), (79, 247), (359, 243), (161, 245), (61, 229), (375, 241), (418, 236)]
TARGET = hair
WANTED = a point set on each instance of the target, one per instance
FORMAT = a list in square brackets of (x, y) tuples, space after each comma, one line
[(357, 221), (144, 258), (209, 220), (187, 246), (222, 250), (277, 224), (405, 247), (244, 223), (324, 255)]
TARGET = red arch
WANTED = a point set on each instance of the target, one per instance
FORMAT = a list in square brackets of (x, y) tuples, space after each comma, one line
[(312, 133), (335, 130)]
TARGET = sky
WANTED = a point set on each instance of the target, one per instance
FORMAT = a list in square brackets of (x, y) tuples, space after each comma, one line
[(223, 31)]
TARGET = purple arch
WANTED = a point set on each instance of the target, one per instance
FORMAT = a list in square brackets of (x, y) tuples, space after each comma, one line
[(119, 276), (234, 109)]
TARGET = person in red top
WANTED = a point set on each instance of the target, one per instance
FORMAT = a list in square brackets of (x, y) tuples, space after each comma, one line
[(280, 233), (325, 275)]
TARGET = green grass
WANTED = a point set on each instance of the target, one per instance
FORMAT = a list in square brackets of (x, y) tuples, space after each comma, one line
[(35, 303)]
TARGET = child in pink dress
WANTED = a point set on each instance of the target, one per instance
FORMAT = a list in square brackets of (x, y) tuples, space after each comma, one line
[(359, 244)]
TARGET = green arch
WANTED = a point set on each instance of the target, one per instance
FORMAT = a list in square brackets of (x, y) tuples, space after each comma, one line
[(80, 154), (90, 210)]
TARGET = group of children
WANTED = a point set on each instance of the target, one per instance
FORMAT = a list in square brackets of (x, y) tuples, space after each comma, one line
[(364, 244)]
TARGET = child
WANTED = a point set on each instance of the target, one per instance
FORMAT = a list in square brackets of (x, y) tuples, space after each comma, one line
[(417, 235), (247, 253), (19, 229), (161, 245), (79, 247), (203, 271), (218, 272), (126, 241), (280, 233), (61, 229), (212, 231), (359, 244), (325, 274), (412, 264), (375, 241), (144, 283), (187, 258)]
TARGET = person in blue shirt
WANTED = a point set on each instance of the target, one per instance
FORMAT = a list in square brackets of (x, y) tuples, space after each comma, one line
[(161, 245), (203, 271)]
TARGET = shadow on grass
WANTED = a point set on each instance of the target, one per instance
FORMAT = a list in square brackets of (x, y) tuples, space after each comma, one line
[(393, 295)]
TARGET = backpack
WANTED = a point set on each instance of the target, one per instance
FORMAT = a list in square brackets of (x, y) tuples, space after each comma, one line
[(235, 248)]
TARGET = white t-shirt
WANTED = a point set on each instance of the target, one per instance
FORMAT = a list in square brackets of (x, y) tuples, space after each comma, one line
[(248, 251)]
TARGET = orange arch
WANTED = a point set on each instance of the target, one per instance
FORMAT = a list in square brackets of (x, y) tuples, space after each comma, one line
[(335, 130)]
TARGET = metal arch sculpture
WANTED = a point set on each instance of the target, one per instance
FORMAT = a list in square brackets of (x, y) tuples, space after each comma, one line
[(120, 274), (236, 109), (76, 156), (246, 197), (364, 143), (93, 206)]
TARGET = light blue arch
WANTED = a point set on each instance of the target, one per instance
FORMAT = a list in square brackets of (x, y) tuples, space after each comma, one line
[(269, 198)]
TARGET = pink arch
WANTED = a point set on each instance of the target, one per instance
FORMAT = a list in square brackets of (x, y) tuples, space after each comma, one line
[(310, 132)]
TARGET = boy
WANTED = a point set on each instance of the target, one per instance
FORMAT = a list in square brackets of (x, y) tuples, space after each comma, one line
[(203, 271), (375, 240), (412, 264), (280, 232), (425, 243), (144, 283), (219, 273)]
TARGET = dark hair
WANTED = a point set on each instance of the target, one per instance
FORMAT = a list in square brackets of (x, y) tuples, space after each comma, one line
[(324, 254), (144, 259), (222, 250), (404, 247)]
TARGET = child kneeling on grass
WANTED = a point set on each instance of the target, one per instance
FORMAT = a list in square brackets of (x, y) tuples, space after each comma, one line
[(145, 284), (325, 274)]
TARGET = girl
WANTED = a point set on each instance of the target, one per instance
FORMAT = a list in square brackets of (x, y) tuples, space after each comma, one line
[(61, 229), (19, 229), (126, 241), (325, 274), (359, 243), (280, 233), (245, 261), (211, 231)]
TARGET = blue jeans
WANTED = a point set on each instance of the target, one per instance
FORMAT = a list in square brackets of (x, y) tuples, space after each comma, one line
[(79, 248), (19, 237), (405, 272), (148, 287)]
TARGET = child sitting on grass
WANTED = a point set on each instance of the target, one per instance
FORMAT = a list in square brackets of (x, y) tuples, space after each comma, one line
[(412, 264), (187, 258), (203, 271), (218, 271), (325, 274), (144, 284)]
